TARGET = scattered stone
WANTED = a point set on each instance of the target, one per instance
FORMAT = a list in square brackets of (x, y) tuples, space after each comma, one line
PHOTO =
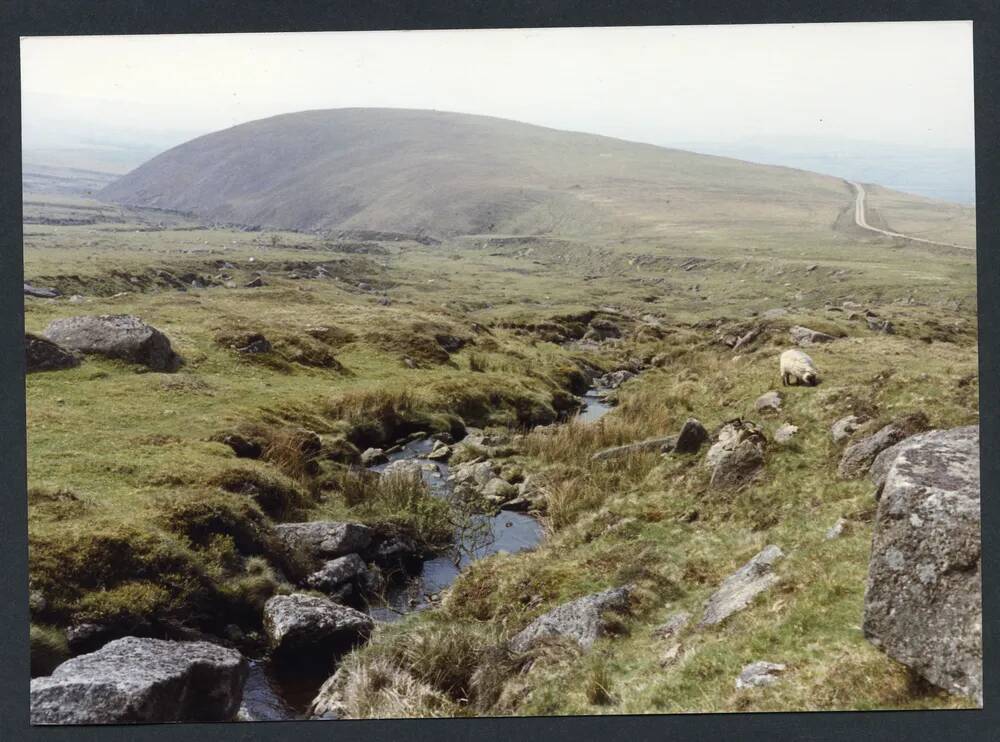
[(859, 457), (880, 325), (404, 468), (338, 572), (737, 457), (662, 445), (440, 452), (499, 490), (76, 299), (747, 338), (581, 620), (44, 355), (40, 292), (670, 655), (691, 437), (254, 343), (121, 336), (321, 540), (769, 402), (300, 624), (804, 336), (836, 530), (373, 457), (785, 433), (759, 674), (739, 589), (134, 680), (256, 283), (672, 626), (923, 603), (614, 379), (846, 427)]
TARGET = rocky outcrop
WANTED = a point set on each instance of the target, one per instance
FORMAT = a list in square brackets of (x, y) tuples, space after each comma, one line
[(121, 336), (320, 541), (737, 456), (739, 589), (44, 355), (373, 457), (759, 674), (650, 445), (691, 437), (300, 624), (859, 457), (581, 620), (805, 337), (846, 427), (923, 603), (142, 681)]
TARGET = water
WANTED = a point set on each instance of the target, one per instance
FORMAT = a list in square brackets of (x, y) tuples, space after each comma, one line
[(596, 407)]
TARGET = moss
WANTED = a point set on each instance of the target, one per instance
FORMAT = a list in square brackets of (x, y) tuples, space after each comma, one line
[(48, 649), (277, 495)]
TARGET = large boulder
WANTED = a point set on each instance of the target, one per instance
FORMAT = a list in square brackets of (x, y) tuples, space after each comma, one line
[(650, 445), (582, 620), (923, 603), (737, 456), (301, 624), (323, 540), (142, 680), (44, 355), (121, 336), (858, 457), (739, 589)]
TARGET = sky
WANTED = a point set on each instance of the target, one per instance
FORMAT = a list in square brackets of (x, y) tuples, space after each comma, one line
[(908, 84)]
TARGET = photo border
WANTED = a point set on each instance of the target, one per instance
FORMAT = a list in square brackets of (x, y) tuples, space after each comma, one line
[(82, 17)]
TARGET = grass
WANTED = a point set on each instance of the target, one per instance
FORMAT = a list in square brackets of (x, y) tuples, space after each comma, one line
[(140, 514)]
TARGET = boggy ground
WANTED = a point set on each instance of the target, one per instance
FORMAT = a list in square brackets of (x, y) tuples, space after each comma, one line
[(139, 517)]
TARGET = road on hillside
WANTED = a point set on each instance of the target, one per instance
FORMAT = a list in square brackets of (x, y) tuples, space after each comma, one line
[(859, 218)]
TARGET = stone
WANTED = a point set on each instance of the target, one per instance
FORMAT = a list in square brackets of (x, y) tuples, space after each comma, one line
[(475, 473), (769, 402), (440, 452), (785, 433), (691, 437), (804, 336), (836, 530), (408, 468), (737, 456), (254, 343), (320, 540), (741, 588), (581, 620), (923, 602), (747, 338), (649, 445), (880, 467), (672, 626), (858, 458), (336, 572), (44, 355), (500, 489), (614, 379), (40, 292), (300, 624), (880, 325), (846, 427), (121, 336), (759, 674), (256, 283), (134, 680), (373, 457)]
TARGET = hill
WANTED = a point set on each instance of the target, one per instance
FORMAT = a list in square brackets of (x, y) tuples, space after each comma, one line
[(447, 174)]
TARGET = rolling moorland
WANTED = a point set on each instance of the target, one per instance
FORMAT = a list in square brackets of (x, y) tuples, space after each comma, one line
[(337, 282)]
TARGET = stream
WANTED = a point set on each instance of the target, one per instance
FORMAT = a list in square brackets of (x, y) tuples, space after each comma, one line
[(269, 697)]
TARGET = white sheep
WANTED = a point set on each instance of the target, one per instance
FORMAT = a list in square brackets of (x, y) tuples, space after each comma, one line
[(798, 367)]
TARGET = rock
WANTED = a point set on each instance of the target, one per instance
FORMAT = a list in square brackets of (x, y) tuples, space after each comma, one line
[(322, 540), (404, 468), (581, 620), (39, 292), (769, 402), (254, 343), (300, 624), (691, 437), (804, 336), (880, 467), (846, 427), (836, 530), (440, 452), (859, 457), (662, 445), (121, 336), (256, 283), (739, 589), (76, 299), (672, 626), (261, 700), (747, 338), (44, 355), (475, 473), (519, 504), (395, 552), (785, 433), (500, 489), (880, 325), (373, 457), (737, 456), (614, 379), (336, 572), (759, 674), (923, 603), (135, 680)]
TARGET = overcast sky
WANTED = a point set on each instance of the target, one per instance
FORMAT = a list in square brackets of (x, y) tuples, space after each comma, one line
[(905, 83)]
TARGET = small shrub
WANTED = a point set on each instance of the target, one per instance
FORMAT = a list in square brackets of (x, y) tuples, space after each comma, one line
[(127, 604), (597, 681)]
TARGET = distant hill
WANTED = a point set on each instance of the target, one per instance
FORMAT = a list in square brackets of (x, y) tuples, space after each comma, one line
[(443, 174)]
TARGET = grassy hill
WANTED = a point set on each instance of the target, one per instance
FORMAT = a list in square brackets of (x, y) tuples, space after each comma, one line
[(447, 174)]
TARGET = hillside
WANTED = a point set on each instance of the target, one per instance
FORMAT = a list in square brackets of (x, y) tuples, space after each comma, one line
[(448, 174)]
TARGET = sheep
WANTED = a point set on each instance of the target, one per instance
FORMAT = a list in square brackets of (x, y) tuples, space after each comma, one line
[(798, 367)]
